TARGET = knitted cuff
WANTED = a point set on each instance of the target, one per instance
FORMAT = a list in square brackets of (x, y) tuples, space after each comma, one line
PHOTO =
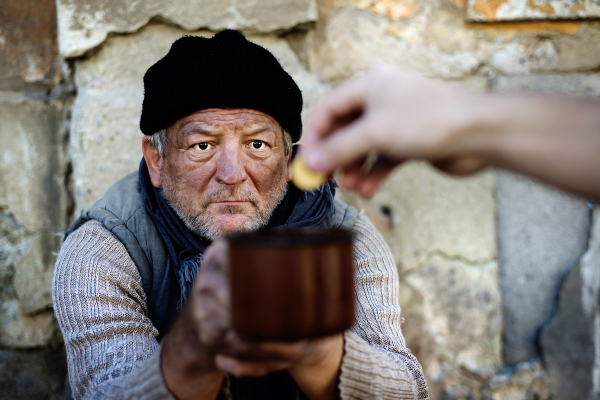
[(369, 373), (149, 381)]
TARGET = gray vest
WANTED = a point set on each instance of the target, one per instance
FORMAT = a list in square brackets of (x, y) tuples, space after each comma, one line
[(123, 213)]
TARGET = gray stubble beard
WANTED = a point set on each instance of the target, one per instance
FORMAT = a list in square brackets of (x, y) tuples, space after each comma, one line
[(200, 223)]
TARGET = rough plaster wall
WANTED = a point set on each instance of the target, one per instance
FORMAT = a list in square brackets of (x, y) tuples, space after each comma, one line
[(436, 41), (442, 235), (34, 199), (590, 274), (510, 10), (540, 232), (83, 25), (33, 212)]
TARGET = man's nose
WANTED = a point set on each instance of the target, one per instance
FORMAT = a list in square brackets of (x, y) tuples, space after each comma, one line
[(230, 168)]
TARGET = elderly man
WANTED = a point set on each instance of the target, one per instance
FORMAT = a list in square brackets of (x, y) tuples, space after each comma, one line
[(220, 116)]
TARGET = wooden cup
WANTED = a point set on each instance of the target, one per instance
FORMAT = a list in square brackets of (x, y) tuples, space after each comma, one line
[(291, 284)]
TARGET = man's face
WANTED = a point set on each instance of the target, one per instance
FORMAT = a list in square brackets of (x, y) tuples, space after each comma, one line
[(224, 170)]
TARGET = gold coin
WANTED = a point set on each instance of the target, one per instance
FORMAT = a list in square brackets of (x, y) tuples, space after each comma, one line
[(304, 178)]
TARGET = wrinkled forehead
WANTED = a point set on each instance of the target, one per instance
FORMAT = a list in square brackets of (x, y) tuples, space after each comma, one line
[(219, 118)]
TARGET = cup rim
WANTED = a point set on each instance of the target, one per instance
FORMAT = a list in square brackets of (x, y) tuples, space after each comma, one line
[(291, 237)]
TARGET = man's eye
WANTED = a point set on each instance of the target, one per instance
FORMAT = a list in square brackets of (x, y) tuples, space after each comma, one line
[(203, 146), (258, 144)]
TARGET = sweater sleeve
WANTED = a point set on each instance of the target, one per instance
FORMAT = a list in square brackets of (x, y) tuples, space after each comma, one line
[(100, 305), (377, 364)]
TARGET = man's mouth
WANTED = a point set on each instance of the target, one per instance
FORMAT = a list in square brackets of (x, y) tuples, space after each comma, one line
[(231, 197)]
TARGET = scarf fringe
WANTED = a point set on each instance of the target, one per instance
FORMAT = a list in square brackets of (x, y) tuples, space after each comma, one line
[(186, 277)]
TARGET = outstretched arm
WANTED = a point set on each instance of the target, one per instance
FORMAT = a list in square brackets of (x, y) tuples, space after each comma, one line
[(100, 304), (403, 116)]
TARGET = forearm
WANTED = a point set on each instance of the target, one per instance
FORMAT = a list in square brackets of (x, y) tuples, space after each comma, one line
[(372, 373), (188, 368), (556, 140)]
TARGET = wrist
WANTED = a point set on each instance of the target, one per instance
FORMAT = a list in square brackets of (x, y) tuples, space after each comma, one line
[(183, 347), (187, 366), (480, 121), (318, 373)]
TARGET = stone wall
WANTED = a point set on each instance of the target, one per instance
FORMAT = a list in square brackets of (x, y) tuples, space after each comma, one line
[(500, 275), (35, 200)]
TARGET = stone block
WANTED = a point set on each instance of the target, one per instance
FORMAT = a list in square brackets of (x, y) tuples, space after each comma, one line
[(83, 25), (22, 331), (546, 51), (34, 271), (590, 273), (540, 232), (435, 43), (435, 40), (525, 381), (28, 45), (392, 9), (432, 212), (33, 205), (511, 10), (105, 139), (14, 242), (456, 326), (33, 167), (572, 84), (590, 293), (33, 374), (568, 343), (577, 52)]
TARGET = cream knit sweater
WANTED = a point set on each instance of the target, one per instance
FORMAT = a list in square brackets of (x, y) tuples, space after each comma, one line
[(112, 348)]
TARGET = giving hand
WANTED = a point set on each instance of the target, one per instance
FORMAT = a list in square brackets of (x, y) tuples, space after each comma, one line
[(395, 114)]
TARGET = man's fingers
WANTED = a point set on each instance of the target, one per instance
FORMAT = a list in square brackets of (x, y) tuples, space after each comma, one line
[(217, 255), (346, 146), (370, 182), (212, 280), (340, 107), (366, 182), (350, 176), (235, 346), (460, 166), (236, 367), (213, 322)]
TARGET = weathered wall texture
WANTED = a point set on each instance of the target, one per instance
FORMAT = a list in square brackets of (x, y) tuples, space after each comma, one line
[(34, 199), (499, 275), (85, 24), (511, 10)]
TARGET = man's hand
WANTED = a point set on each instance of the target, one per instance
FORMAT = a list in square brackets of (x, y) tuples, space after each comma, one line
[(202, 346), (395, 114)]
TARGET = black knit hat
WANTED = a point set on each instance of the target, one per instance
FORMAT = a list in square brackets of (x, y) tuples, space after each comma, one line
[(225, 71)]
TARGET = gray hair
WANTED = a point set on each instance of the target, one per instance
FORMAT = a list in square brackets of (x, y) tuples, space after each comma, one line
[(159, 141)]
